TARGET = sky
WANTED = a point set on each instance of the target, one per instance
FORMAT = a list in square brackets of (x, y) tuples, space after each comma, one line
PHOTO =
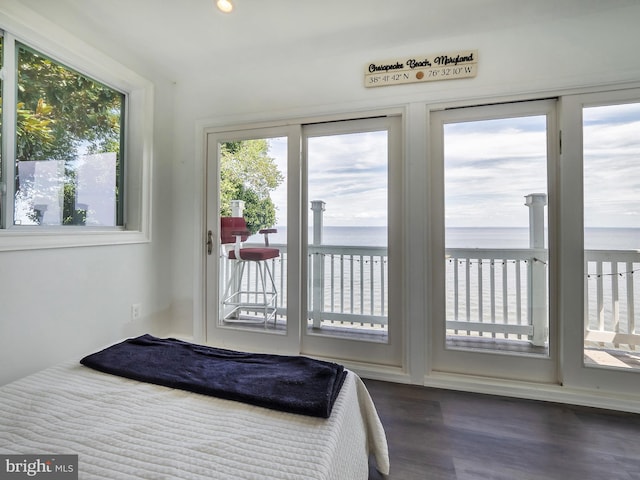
[(490, 166), (612, 166), (348, 172)]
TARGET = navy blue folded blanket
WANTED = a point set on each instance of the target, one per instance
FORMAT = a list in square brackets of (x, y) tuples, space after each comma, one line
[(292, 384)]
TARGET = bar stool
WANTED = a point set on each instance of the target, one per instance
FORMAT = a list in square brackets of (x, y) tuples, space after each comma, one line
[(239, 296)]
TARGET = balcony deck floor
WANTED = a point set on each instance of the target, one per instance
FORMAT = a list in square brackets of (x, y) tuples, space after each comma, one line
[(595, 355)]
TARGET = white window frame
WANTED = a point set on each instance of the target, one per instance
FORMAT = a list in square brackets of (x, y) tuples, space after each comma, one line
[(571, 297), (491, 363), (45, 37)]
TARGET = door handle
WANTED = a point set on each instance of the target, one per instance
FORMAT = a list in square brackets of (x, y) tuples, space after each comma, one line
[(209, 242)]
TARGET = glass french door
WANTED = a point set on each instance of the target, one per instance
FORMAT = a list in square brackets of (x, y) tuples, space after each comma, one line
[(601, 305), (326, 196), (491, 187), (611, 144), (353, 176), (252, 268)]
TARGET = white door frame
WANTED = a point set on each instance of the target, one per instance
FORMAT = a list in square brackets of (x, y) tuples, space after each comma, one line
[(485, 363), (571, 251), (296, 340), (389, 354), (232, 336)]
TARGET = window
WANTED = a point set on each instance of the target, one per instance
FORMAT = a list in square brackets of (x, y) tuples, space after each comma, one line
[(68, 146), (348, 233), (340, 293), (493, 175), (611, 235), (495, 232), (76, 147)]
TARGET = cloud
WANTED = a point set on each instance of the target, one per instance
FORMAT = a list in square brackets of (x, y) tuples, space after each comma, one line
[(612, 166), (348, 172), (490, 166)]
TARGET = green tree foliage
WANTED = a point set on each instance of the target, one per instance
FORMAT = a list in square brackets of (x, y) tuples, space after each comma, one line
[(61, 112), (248, 173), (60, 109)]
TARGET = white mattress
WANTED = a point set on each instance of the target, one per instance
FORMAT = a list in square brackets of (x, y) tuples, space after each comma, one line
[(124, 429)]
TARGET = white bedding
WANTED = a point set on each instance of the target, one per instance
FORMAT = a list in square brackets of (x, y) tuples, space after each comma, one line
[(124, 429)]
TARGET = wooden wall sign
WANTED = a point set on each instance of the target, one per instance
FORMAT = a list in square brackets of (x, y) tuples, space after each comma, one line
[(442, 66)]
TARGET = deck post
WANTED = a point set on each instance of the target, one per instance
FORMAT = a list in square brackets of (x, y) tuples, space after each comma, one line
[(537, 269), (237, 208), (317, 298)]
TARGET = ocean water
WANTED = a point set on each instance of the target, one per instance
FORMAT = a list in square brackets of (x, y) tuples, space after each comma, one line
[(607, 285), (470, 237), (349, 236), (499, 237)]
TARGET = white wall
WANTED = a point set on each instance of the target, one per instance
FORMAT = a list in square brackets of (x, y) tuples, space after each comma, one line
[(540, 59)]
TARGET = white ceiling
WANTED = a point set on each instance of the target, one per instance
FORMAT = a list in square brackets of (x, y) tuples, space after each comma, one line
[(183, 38)]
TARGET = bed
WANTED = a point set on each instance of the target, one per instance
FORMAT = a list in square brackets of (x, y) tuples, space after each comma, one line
[(122, 428)]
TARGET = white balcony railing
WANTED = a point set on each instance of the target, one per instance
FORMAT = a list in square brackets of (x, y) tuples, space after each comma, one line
[(611, 294), (347, 285), (490, 292), (497, 293)]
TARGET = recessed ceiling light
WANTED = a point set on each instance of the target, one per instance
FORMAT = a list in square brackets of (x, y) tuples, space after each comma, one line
[(224, 6)]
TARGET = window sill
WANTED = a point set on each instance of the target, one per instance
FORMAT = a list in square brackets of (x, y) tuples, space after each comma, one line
[(12, 240)]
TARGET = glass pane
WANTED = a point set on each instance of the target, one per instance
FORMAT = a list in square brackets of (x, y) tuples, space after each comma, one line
[(253, 234), (68, 146), (612, 235), (495, 234), (347, 252)]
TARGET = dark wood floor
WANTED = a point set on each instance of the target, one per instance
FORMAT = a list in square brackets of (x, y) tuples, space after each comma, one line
[(445, 435)]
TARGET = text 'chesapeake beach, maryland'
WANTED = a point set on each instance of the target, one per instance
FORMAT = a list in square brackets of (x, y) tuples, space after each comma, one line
[(442, 66)]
